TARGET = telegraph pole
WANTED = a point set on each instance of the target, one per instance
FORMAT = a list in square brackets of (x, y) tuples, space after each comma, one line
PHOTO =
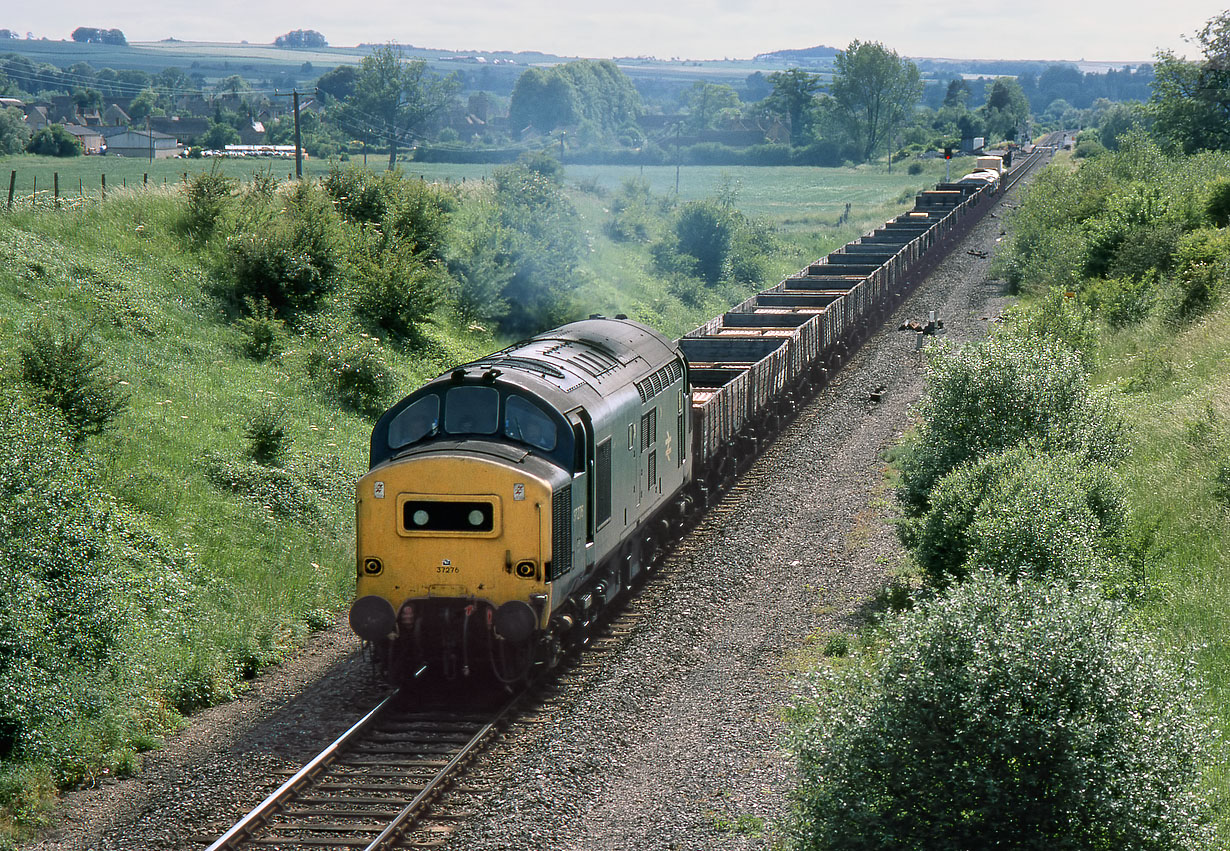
[(298, 146)]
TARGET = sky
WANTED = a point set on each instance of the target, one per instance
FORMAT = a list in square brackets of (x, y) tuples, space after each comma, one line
[(1093, 30)]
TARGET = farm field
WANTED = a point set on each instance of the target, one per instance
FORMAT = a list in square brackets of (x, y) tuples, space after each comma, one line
[(794, 197)]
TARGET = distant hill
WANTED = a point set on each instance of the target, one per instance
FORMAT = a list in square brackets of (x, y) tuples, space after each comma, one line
[(820, 51)]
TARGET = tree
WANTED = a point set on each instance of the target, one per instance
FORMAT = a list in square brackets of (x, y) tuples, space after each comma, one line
[(232, 85), (1006, 108), (1190, 102), (301, 38), (144, 105), (396, 98), (958, 93), (542, 100), (219, 135), (94, 35), (14, 134), (874, 93), (708, 102), (54, 141), (338, 83), (794, 99), (1004, 714), (88, 98), (594, 95)]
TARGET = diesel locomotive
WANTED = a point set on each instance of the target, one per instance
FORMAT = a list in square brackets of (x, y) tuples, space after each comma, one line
[(511, 499)]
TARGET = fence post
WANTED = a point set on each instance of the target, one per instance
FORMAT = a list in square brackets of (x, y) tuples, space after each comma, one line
[(55, 182), (12, 186), (103, 194), (80, 188), (34, 192), (145, 180)]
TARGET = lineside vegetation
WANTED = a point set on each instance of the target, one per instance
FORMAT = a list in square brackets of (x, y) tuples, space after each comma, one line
[(1059, 672), (192, 375)]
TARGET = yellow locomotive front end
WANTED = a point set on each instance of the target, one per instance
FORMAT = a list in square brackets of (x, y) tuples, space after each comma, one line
[(454, 553)]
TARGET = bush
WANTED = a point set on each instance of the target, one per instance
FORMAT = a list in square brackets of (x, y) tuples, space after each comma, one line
[(1122, 301), (995, 393), (267, 438), (62, 369), (353, 370), (290, 258), (1202, 267), (914, 168), (1022, 513), (209, 194), (1217, 205), (1059, 318), (264, 334), (394, 288), (633, 217), (1004, 714), (703, 232)]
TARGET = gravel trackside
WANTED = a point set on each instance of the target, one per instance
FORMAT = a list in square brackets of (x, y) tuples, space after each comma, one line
[(673, 737)]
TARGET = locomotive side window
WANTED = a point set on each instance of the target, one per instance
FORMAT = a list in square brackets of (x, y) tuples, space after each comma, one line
[(417, 421), (525, 423), (472, 409)]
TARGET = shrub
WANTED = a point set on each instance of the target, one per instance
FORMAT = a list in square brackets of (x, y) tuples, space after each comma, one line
[(1217, 205), (208, 196), (278, 491), (1202, 267), (914, 168), (61, 367), (995, 393), (1004, 713), (394, 288), (633, 218), (1058, 318), (703, 232), (264, 334), (353, 370), (406, 209), (1122, 301), (1022, 513), (266, 433), (290, 258)]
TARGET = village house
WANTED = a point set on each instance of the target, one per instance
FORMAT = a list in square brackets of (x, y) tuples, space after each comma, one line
[(139, 143), (90, 138)]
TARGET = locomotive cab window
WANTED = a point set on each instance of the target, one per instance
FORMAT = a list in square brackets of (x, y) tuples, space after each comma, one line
[(472, 409), (420, 419), (524, 422)]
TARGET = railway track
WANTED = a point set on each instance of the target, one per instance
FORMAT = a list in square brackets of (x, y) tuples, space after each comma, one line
[(389, 781), (393, 779)]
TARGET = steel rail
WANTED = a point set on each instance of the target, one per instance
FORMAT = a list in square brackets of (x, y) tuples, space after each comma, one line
[(257, 817), (406, 817)]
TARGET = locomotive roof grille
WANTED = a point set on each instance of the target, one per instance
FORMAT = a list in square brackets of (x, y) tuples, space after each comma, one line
[(657, 382), (525, 363)]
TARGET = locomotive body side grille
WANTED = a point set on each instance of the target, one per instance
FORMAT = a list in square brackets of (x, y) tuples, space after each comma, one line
[(561, 532)]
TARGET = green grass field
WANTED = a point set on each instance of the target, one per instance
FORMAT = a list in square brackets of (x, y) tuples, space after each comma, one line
[(793, 197)]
